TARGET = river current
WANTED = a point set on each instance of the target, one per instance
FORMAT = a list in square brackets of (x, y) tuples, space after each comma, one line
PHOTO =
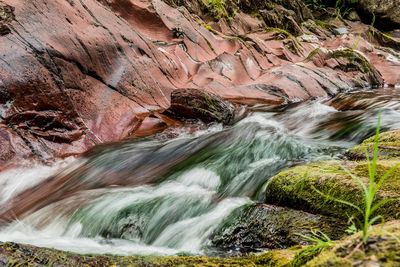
[(165, 197)]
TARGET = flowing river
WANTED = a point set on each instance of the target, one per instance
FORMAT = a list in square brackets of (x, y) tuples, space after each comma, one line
[(153, 196)]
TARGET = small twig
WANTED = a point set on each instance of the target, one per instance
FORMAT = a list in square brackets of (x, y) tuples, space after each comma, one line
[(390, 147), (354, 250)]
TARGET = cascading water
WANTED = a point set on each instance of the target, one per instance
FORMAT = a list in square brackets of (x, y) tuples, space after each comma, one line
[(150, 196)]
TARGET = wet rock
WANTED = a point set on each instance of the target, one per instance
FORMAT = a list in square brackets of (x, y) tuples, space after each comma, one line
[(257, 227), (26, 255), (386, 40), (197, 104), (19, 254), (387, 13)]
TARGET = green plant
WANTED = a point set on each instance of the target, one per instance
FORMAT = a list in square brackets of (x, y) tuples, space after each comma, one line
[(352, 228), (357, 41), (315, 4), (371, 32), (369, 191), (322, 242), (341, 9), (218, 6)]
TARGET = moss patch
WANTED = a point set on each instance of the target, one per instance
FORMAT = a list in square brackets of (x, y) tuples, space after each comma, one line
[(355, 61), (383, 249), (12, 254), (312, 53), (278, 258), (295, 188), (389, 146)]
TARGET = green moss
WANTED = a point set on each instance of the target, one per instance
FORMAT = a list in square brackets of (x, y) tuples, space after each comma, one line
[(388, 142), (278, 258), (209, 28), (312, 53), (13, 254), (355, 61), (285, 32), (257, 15), (295, 188), (383, 250), (324, 24)]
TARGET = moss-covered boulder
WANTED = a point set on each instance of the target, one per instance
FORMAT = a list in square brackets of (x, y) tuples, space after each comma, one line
[(382, 249), (389, 146), (258, 227), (12, 254), (297, 188)]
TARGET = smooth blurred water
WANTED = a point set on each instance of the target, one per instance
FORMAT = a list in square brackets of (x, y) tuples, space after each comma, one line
[(164, 197)]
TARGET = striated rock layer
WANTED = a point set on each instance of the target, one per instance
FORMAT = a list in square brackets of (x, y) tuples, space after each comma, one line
[(77, 73)]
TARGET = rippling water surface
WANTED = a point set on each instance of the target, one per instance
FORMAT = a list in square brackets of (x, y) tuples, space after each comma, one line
[(164, 197)]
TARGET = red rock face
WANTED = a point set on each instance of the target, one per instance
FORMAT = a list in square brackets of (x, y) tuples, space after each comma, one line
[(77, 73)]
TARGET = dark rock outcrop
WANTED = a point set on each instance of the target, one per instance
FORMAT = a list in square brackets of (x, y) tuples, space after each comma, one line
[(197, 104), (387, 13), (261, 227)]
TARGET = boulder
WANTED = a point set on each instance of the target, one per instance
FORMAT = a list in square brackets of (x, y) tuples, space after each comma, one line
[(258, 227), (297, 188), (387, 13), (389, 147), (198, 104)]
